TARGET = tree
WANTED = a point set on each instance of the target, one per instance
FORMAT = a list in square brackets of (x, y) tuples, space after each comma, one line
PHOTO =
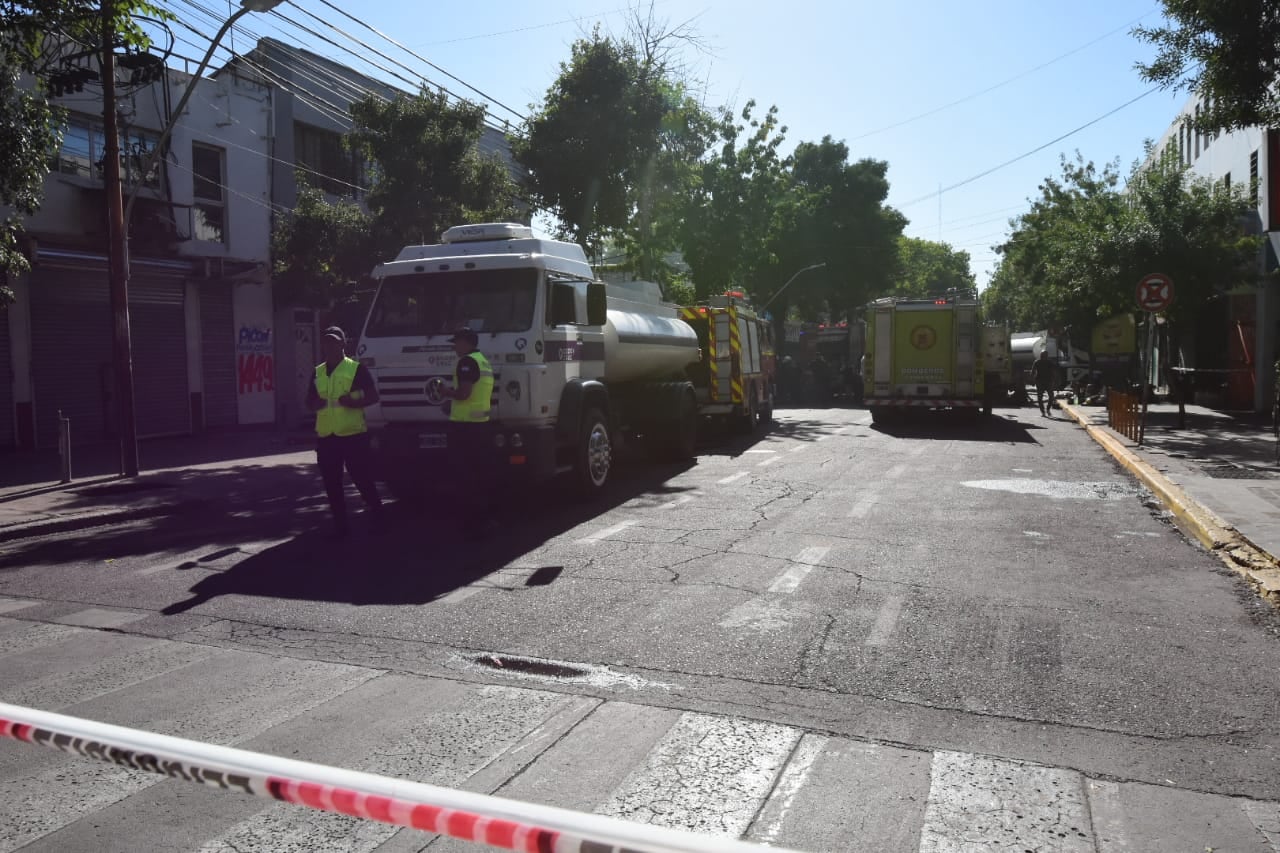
[(428, 171), (586, 147), (735, 203), (930, 268), (1229, 52), (1076, 257), (319, 249), (38, 42)]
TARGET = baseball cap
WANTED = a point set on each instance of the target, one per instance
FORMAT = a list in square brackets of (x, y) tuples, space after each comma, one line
[(336, 333), (465, 333)]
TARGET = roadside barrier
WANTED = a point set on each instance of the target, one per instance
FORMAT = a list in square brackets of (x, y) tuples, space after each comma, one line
[(1124, 413), (480, 818)]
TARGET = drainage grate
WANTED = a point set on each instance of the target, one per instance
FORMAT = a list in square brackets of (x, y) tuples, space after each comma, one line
[(1235, 472), (530, 666)]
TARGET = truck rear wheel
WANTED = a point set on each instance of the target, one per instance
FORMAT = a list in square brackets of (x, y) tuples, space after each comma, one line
[(746, 422), (682, 441), (594, 455)]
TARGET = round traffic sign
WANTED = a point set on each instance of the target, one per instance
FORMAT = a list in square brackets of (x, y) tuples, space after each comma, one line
[(1155, 292)]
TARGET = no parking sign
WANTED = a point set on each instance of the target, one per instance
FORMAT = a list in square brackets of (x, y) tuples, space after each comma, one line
[(1155, 292)]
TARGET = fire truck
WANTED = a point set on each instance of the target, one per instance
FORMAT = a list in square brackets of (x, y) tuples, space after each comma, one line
[(735, 378), (925, 354)]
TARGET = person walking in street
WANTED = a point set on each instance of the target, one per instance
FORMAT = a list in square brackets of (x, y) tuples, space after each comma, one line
[(339, 394), (1042, 373), (471, 398)]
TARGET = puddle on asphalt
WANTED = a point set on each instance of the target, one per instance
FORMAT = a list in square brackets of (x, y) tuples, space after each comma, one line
[(1058, 489)]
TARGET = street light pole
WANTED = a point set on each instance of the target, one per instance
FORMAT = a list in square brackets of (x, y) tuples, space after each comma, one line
[(118, 216), (788, 284), (117, 251)]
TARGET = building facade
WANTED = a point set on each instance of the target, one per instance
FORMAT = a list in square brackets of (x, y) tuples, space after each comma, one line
[(1237, 347), (199, 291)]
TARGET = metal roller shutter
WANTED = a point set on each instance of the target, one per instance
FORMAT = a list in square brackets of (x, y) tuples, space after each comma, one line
[(218, 354), (159, 334), (71, 355), (7, 438)]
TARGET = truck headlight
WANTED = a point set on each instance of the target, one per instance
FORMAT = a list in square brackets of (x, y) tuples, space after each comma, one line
[(517, 440)]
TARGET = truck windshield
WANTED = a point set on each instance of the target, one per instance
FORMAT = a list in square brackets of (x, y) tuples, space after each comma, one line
[(439, 302)]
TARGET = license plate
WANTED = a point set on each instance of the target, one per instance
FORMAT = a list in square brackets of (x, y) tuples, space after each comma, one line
[(432, 440)]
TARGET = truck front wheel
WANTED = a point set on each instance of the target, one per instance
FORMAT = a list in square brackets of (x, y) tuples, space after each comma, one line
[(594, 454)]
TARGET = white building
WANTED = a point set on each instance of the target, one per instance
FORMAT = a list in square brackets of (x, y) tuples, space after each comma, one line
[(199, 290), (1249, 318)]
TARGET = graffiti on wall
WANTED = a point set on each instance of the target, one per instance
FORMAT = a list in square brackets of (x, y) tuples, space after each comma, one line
[(254, 360)]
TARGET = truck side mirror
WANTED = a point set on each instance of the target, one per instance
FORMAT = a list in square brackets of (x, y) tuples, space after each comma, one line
[(597, 304)]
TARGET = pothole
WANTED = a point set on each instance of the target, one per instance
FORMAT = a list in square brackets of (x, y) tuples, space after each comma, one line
[(528, 666)]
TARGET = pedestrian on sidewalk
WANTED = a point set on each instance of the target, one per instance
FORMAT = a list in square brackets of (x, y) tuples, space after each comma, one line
[(342, 389), (1043, 374)]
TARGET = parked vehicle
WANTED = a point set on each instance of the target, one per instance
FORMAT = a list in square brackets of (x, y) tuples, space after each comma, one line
[(925, 354), (1025, 348), (578, 364), (736, 377)]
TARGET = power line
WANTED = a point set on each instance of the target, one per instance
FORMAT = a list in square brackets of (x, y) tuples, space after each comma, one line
[(1032, 151), (490, 98), (1002, 83)]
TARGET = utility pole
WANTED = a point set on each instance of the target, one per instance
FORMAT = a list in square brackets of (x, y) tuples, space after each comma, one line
[(117, 252)]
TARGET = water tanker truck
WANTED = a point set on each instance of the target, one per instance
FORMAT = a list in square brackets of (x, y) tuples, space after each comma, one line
[(579, 365)]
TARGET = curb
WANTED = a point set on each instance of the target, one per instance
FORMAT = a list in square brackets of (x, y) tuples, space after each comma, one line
[(84, 521), (1257, 566)]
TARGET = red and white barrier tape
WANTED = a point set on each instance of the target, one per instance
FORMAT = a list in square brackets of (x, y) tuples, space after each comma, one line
[(510, 824)]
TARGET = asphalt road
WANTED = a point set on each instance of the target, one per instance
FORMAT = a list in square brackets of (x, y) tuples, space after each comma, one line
[(912, 608)]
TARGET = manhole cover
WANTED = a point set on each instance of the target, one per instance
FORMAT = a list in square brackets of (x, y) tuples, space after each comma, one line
[(1233, 472), (530, 666)]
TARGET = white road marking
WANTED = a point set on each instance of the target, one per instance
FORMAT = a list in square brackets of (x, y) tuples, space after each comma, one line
[(864, 505), (683, 499), (9, 605), (734, 762), (789, 581), (886, 621), (100, 617), (462, 593), (759, 451), (793, 778), (975, 797), (760, 615), (732, 478), (895, 472), (769, 461), (797, 448), (863, 422), (606, 533)]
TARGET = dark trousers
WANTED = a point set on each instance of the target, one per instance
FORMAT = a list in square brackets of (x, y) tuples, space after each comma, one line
[(353, 451), (1041, 390)]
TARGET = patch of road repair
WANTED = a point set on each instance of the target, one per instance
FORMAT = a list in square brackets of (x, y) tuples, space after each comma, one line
[(1059, 489), (541, 669)]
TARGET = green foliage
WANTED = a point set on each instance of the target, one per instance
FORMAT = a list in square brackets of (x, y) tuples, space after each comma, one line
[(320, 249), (930, 268), (1229, 52), (734, 202), (597, 138), (33, 40), (429, 172), (1076, 257)]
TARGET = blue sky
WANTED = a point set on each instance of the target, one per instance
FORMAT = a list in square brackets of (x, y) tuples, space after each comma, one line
[(942, 90)]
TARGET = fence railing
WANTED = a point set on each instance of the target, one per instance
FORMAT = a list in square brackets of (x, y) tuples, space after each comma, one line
[(1124, 413)]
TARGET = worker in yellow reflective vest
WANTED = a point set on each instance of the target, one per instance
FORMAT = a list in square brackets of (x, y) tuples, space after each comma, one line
[(339, 394), (473, 452)]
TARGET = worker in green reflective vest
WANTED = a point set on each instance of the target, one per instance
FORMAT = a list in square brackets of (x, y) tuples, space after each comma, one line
[(473, 453), (341, 390)]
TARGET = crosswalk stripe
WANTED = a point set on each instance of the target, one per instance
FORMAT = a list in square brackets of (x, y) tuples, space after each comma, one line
[(789, 581), (980, 803), (9, 605), (886, 620), (17, 637), (783, 798), (708, 774), (606, 532)]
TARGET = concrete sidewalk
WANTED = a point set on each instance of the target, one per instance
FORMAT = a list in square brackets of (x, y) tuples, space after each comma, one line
[(215, 472), (1217, 473)]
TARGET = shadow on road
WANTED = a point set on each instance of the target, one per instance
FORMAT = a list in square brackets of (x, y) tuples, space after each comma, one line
[(954, 426), (423, 552)]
